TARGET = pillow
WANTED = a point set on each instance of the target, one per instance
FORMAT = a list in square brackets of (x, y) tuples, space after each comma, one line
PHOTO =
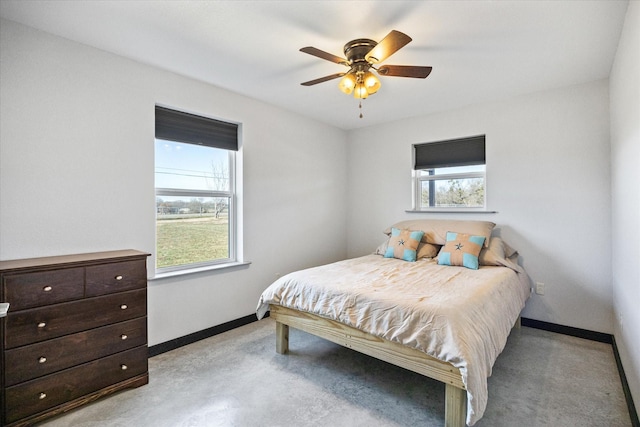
[(492, 254), (496, 253), (509, 252), (425, 250), (403, 244), (435, 230), (461, 249)]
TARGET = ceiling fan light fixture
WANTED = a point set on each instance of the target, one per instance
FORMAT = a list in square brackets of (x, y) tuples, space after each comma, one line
[(360, 91), (360, 57), (371, 83), (347, 84)]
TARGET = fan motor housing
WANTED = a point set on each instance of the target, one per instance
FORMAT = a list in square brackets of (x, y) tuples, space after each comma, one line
[(357, 49)]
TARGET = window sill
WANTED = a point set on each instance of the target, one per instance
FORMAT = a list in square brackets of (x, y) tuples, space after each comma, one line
[(176, 273), (461, 211)]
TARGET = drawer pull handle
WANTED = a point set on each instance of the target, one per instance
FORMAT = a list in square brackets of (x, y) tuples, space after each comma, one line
[(42, 324), (118, 277), (123, 367), (42, 359), (123, 306), (47, 288), (42, 396), (123, 337)]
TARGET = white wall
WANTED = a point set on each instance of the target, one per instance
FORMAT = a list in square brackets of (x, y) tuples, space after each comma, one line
[(625, 196), (76, 173), (547, 176)]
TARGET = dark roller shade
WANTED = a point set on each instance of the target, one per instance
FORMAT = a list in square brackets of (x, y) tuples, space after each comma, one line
[(177, 126), (453, 152)]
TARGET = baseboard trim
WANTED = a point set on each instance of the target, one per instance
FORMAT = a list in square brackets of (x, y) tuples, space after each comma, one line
[(635, 422), (157, 349), (593, 336), (568, 330)]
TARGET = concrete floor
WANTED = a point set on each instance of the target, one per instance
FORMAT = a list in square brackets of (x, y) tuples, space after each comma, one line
[(237, 379)]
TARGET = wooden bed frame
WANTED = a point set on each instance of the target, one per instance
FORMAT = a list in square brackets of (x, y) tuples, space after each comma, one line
[(414, 360)]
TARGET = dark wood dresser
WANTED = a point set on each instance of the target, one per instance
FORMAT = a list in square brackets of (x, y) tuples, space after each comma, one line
[(76, 330)]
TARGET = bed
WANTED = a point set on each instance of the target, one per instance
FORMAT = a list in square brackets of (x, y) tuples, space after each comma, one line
[(427, 314)]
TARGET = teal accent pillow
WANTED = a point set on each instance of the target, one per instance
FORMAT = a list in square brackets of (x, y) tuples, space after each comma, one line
[(403, 244), (462, 250)]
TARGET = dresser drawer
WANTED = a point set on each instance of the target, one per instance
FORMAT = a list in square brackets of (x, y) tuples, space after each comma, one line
[(36, 289), (39, 324), (43, 393), (116, 277), (35, 360)]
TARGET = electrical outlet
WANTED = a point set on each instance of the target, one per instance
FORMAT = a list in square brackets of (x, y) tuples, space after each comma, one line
[(539, 288)]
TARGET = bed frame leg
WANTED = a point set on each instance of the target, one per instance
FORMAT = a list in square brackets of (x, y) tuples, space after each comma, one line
[(455, 406), (282, 338)]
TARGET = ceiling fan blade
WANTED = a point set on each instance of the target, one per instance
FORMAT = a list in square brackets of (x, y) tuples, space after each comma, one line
[(324, 55), (322, 79), (404, 71), (389, 45)]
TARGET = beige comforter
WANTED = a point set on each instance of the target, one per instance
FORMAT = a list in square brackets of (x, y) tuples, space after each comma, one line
[(454, 314)]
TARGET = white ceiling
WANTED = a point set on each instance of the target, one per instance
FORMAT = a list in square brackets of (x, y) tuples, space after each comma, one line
[(479, 50)]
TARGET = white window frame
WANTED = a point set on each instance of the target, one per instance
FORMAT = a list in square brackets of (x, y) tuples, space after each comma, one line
[(419, 178), (231, 196)]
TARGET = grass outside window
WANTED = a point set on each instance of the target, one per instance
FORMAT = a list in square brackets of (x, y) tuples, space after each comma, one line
[(183, 240)]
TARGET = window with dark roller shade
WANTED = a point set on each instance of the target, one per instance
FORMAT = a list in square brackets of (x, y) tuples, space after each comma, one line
[(450, 173), (195, 158)]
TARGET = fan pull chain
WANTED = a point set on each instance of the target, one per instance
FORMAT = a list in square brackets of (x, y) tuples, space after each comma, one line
[(360, 107)]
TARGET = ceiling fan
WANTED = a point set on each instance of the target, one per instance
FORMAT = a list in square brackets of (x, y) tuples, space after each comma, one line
[(362, 55)]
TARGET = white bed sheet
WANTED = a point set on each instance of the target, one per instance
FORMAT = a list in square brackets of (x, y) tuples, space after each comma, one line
[(454, 314)]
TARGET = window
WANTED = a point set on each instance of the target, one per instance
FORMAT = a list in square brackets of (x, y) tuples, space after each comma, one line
[(195, 191), (449, 174)]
